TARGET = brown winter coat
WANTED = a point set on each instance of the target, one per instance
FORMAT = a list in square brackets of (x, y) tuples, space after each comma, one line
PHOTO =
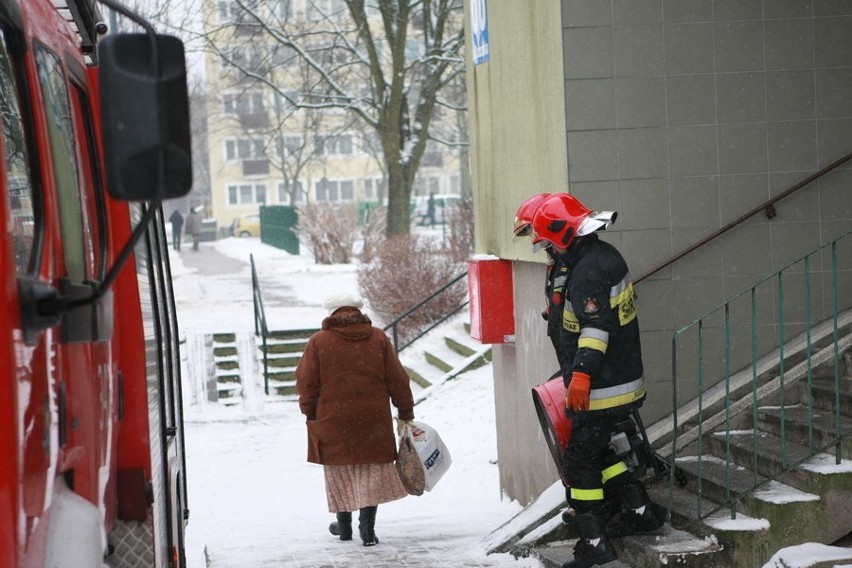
[(346, 375)]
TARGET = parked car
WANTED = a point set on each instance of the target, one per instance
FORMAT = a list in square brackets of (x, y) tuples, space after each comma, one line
[(246, 226), (443, 204)]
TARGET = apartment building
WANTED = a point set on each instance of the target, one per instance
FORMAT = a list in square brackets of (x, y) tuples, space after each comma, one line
[(263, 148)]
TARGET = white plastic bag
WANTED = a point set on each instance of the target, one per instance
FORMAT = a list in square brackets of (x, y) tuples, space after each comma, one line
[(432, 452)]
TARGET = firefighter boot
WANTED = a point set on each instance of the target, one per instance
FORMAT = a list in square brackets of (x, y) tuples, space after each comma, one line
[(639, 516), (343, 526), (367, 526), (594, 547)]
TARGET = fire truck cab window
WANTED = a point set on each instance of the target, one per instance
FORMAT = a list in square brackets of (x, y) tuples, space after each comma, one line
[(65, 169), (16, 169)]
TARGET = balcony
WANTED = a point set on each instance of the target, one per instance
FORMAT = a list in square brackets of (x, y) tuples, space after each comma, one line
[(255, 167)]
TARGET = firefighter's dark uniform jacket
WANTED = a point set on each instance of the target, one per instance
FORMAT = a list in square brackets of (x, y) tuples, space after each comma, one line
[(600, 329), (554, 295)]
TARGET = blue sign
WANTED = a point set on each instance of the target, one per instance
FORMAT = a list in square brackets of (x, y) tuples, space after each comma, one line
[(479, 31)]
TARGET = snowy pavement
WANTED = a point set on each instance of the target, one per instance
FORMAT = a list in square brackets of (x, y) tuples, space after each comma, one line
[(255, 501)]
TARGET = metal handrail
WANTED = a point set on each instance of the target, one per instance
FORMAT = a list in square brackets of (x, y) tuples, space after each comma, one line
[(719, 320), (395, 323), (260, 325), (768, 207)]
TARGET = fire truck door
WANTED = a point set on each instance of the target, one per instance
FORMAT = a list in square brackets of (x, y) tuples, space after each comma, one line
[(85, 368), (27, 417)]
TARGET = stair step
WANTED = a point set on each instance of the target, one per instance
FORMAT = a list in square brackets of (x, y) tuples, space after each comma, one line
[(280, 363), (294, 346), (443, 357), (224, 351), (824, 397), (791, 513), (292, 334), (418, 378), (824, 431), (460, 346), (279, 387), (672, 547), (685, 505)]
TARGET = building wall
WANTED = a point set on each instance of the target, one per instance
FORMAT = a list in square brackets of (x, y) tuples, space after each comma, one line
[(682, 115)]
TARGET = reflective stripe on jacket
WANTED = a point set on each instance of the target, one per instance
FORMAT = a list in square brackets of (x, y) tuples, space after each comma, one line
[(600, 328)]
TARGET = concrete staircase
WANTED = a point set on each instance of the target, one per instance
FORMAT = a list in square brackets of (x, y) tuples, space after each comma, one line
[(440, 355), (447, 351), (283, 350), (804, 498), (226, 368)]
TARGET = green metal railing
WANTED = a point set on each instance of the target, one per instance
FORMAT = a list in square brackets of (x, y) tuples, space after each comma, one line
[(395, 324), (712, 346), (261, 327)]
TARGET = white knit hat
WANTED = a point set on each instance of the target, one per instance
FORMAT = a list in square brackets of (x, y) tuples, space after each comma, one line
[(342, 299)]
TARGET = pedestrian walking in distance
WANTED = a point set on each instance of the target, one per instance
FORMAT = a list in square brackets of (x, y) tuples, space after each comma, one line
[(176, 220), (193, 227), (346, 376), (602, 372)]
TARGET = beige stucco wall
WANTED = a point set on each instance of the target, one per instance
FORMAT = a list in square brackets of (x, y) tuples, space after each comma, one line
[(518, 148), (517, 119)]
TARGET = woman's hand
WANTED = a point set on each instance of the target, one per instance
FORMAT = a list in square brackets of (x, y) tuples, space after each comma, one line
[(400, 426)]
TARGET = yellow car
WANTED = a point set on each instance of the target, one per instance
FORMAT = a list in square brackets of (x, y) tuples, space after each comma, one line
[(246, 226)]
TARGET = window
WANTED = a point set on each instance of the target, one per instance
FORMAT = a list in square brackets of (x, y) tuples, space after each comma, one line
[(245, 149), (280, 54), (244, 57), (231, 12), (281, 9), (335, 190), (243, 103), (374, 188), (426, 185), (284, 194), (289, 145), (321, 9), (333, 145), (455, 184), (247, 194), (60, 131), (17, 169)]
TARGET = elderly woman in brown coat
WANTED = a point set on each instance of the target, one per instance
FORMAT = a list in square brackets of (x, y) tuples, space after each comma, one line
[(346, 377)]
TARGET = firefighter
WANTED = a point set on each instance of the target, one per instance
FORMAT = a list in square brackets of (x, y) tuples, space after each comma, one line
[(599, 338), (554, 295), (557, 272)]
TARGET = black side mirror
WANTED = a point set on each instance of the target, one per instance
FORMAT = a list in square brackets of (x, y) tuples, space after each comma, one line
[(145, 117)]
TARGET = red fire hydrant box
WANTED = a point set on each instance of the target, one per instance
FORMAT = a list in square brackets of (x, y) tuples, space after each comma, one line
[(492, 313)]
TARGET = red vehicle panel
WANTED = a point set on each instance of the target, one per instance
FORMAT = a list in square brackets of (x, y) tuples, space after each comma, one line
[(92, 429)]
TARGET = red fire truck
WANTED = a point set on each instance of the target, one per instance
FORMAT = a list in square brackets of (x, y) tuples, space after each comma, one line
[(95, 135)]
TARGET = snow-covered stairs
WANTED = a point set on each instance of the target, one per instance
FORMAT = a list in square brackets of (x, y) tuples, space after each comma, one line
[(283, 350), (443, 353), (806, 507), (227, 368)]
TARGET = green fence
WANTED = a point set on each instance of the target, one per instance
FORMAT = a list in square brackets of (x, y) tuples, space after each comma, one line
[(277, 227), (761, 348)]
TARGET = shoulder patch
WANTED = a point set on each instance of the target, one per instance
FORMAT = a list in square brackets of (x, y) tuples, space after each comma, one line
[(590, 306)]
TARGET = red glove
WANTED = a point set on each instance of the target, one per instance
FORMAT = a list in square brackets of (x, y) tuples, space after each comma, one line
[(578, 391)]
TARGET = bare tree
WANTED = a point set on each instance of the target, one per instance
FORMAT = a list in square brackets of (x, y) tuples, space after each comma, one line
[(384, 64)]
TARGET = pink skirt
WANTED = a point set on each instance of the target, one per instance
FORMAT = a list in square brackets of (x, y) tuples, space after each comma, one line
[(352, 487)]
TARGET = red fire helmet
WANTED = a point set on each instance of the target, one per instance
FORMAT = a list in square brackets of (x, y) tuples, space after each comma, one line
[(561, 217)]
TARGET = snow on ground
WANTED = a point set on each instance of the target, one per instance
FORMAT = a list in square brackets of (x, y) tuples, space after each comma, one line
[(256, 502)]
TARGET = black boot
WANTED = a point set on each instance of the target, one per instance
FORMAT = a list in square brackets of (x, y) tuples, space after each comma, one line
[(367, 525), (631, 521), (586, 554), (343, 526)]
